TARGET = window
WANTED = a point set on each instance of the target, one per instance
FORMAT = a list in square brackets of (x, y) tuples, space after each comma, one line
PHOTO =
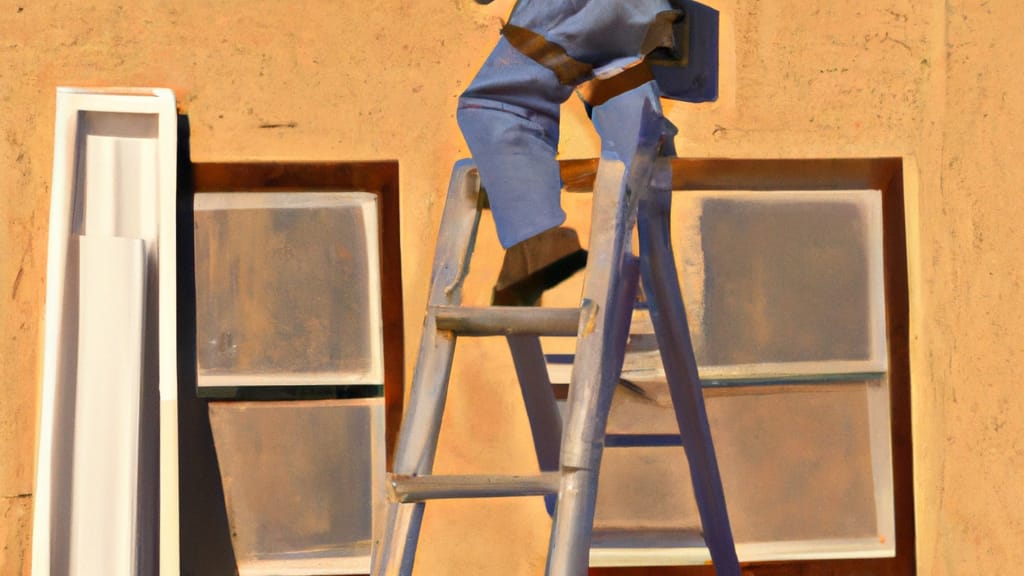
[(298, 350), (794, 278), (288, 289)]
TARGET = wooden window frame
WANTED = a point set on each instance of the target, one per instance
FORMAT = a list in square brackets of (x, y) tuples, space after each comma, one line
[(205, 545), (378, 178)]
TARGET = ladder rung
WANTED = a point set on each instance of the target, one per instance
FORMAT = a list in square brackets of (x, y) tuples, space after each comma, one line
[(407, 489), (642, 440), (507, 320)]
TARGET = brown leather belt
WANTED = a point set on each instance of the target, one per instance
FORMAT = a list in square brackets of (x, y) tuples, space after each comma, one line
[(550, 55), (573, 72), (600, 90)]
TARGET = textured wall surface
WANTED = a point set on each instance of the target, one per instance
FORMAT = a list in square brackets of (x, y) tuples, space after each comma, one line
[(931, 81)]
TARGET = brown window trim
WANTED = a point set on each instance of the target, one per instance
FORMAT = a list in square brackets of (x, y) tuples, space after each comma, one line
[(885, 174), (380, 178)]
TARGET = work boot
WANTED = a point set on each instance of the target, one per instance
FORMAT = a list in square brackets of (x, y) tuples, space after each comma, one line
[(537, 264)]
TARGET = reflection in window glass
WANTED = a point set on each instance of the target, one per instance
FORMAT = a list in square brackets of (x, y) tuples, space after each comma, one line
[(796, 277), (301, 482), (777, 284), (779, 487), (287, 289)]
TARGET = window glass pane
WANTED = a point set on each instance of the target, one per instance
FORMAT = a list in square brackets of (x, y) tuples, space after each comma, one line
[(287, 289), (777, 285), (778, 485), (783, 281), (299, 482)]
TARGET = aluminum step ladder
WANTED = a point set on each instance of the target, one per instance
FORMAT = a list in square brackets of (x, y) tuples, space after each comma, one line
[(569, 456)]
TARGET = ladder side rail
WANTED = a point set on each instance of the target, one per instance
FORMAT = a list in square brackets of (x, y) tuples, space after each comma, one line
[(610, 281), (414, 453), (672, 332), (417, 439), (609, 291)]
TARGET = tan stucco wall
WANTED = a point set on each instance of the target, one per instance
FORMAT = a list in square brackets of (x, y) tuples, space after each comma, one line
[(933, 81)]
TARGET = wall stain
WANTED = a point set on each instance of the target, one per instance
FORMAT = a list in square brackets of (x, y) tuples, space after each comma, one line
[(17, 282), (273, 125)]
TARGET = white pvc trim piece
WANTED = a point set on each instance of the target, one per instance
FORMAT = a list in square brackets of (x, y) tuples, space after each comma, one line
[(108, 388), (127, 190)]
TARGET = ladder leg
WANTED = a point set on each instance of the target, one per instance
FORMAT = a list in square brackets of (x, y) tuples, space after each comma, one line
[(417, 439), (417, 443), (631, 127), (541, 406), (396, 552), (539, 398), (669, 318), (609, 291)]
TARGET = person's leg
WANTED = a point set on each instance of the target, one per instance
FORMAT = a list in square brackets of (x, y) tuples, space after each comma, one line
[(618, 122), (509, 116)]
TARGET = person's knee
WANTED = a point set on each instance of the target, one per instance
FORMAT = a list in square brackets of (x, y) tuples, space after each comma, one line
[(630, 118), (478, 124)]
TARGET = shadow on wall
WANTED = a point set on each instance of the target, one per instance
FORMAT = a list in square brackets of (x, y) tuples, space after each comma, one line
[(204, 532)]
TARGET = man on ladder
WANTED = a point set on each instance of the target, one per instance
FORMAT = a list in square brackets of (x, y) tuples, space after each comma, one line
[(509, 116)]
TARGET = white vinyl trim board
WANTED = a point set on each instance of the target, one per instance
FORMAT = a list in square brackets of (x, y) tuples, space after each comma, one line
[(109, 383), (108, 388)]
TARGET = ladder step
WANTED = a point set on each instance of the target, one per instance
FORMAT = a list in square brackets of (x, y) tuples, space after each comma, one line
[(407, 489), (507, 320), (642, 440)]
